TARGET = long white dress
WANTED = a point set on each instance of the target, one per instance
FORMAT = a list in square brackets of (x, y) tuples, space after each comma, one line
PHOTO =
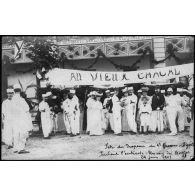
[(20, 109), (96, 117), (77, 114), (171, 109), (7, 130), (46, 120), (65, 107), (126, 104), (116, 115), (89, 121), (132, 113)]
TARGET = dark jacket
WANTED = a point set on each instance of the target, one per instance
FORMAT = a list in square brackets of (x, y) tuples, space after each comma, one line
[(158, 101)]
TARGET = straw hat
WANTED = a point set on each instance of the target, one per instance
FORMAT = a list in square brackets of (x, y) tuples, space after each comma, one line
[(130, 88)]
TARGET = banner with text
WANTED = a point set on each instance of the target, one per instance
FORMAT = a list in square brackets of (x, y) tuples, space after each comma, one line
[(76, 77)]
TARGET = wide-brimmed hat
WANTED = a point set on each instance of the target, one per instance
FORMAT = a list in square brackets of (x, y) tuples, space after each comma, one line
[(130, 88), (99, 94)]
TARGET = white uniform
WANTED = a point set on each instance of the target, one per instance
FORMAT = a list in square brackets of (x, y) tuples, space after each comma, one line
[(89, 121), (108, 116), (132, 112), (186, 110), (180, 113), (145, 113), (7, 133), (65, 107), (171, 109), (20, 109), (77, 114), (116, 115), (71, 114), (46, 120), (96, 117)]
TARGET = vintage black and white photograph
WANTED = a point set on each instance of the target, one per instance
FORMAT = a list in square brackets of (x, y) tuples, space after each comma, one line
[(97, 97)]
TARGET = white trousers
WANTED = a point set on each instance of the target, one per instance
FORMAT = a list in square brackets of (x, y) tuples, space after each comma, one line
[(157, 121), (77, 122), (7, 132), (20, 136), (55, 123), (171, 115), (180, 119), (72, 121), (66, 123), (131, 121), (109, 120)]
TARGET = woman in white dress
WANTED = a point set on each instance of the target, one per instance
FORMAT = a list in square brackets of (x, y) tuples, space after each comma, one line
[(96, 116), (89, 103), (125, 103)]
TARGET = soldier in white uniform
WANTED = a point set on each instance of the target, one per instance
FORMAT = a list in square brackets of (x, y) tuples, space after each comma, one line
[(108, 114), (171, 108), (132, 111), (46, 120), (71, 111), (7, 130), (20, 122)]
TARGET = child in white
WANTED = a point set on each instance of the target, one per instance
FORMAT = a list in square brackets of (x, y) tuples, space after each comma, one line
[(145, 112)]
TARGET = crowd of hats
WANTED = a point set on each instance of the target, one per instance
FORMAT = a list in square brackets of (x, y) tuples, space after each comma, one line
[(95, 93)]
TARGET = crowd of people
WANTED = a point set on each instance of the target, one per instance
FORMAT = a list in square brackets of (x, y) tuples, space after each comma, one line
[(137, 113)]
